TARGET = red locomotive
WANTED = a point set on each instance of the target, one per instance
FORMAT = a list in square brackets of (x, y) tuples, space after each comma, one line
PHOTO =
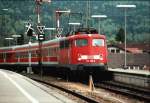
[(83, 48)]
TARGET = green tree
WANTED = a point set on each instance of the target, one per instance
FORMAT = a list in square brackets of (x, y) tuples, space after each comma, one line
[(120, 35), (111, 40)]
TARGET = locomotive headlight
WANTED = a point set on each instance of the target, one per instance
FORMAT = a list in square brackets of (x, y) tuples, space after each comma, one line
[(96, 56), (89, 35), (101, 57), (79, 59)]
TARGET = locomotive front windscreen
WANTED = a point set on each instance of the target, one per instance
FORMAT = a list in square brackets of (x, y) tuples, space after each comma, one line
[(98, 42), (81, 42)]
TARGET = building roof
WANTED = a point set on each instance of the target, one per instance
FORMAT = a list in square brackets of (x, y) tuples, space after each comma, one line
[(134, 47)]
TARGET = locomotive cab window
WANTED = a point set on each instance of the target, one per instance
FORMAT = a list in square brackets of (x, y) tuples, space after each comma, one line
[(81, 42), (98, 42)]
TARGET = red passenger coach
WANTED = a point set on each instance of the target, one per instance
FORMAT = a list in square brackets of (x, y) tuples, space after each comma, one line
[(81, 49)]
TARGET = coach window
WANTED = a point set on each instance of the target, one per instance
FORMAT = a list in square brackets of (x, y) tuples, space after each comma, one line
[(33, 53), (98, 42), (20, 54), (17, 55), (45, 51), (64, 44), (8, 55), (37, 53), (81, 42), (49, 51), (1, 55)]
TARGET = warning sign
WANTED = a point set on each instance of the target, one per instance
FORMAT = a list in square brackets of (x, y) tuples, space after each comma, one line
[(41, 29)]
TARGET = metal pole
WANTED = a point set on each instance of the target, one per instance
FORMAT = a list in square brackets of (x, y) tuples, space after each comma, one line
[(16, 40), (98, 17), (99, 25), (87, 13), (58, 22), (125, 20), (4, 26), (9, 43), (40, 42), (125, 27), (29, 69), (74, 27), (40, 58), (1, 24), (29, 52), (38, 12)]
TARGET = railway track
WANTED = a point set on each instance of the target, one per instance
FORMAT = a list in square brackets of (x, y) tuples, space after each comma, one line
[(114, 87), (78, 95), (132, 91)]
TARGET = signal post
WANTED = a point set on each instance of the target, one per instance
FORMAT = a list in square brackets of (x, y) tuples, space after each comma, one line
[(41, 38), (30, 34), (41, 35)]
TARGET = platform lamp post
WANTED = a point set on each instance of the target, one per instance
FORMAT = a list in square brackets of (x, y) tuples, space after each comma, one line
[(125, 7), (50, 29), (9, 39), (58, 14), (99, 17), (4, 25), (4, 17), (5, 9), (16, 36), (74, 25)]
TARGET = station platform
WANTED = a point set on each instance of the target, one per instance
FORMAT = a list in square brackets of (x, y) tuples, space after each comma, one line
[(131, 71), (140, 78), (15, 88)]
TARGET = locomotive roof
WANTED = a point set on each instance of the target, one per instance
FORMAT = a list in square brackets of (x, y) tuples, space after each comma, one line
[(86, 36), (87, 31)]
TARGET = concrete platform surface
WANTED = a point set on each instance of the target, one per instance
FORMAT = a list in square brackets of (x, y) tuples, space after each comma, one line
[(142, 72), (15, 88)]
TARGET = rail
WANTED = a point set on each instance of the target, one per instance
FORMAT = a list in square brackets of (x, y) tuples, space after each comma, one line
[(140, 93), (87, 99)]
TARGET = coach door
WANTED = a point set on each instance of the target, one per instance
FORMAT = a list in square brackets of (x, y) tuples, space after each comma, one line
[(64, 56)]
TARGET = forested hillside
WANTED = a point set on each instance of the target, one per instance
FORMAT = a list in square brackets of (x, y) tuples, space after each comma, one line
[(19, 11)]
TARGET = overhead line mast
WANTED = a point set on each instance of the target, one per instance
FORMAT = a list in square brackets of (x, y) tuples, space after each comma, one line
[(88, 14), (40, 30), (58, 14)]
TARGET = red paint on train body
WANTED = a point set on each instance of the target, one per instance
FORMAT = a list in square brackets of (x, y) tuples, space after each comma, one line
[(71, 51)]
